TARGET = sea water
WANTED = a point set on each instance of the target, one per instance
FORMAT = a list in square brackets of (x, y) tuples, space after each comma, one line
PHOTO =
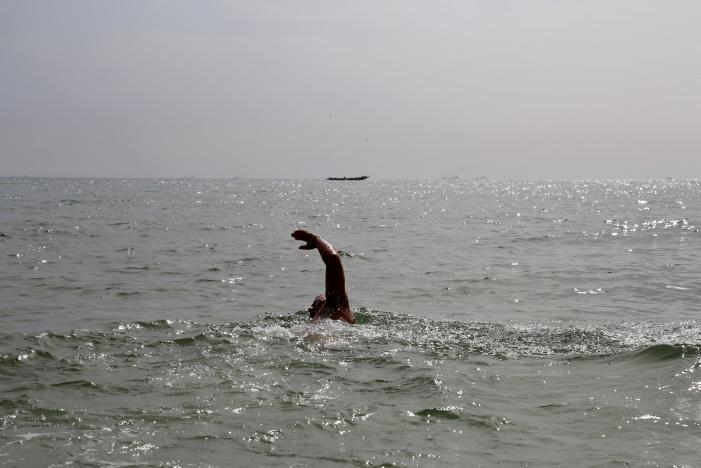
[(512, 323)]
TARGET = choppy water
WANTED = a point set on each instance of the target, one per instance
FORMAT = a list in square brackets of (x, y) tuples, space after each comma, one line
[(160, 323)]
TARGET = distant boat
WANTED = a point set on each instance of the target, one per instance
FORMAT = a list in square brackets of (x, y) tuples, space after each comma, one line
[(348, 178)]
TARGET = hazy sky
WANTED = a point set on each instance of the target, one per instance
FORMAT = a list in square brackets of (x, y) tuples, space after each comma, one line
[(504, 89)]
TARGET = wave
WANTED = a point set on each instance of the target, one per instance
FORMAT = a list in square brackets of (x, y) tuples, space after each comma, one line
[(17, 359), (641, 343), (516, 339), (662, 352)]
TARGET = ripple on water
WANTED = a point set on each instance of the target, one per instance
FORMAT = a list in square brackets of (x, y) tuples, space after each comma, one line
[(261, 385)]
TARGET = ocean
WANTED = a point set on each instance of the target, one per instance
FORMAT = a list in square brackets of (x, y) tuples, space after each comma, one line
[(162, 322)]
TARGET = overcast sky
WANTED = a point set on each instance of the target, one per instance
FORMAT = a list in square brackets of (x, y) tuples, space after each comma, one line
[(405, 89)]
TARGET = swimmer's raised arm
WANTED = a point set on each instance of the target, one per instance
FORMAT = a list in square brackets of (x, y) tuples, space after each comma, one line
[(336, 301), (313, 241)]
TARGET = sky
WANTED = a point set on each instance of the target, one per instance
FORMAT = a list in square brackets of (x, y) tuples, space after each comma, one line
[(537, 89)]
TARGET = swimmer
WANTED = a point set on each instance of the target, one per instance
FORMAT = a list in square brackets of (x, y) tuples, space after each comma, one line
[(334, 304)]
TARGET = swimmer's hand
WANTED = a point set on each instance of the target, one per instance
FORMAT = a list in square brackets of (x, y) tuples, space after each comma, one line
[(307, 237)]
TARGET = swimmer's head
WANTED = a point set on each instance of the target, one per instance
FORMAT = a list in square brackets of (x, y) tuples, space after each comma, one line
[(318, 303)]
